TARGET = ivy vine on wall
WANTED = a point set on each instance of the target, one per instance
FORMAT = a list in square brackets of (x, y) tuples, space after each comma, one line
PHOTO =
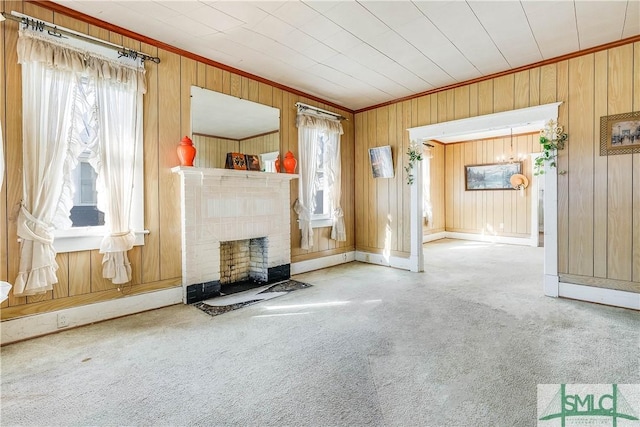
[(552, 139), (415, 155)]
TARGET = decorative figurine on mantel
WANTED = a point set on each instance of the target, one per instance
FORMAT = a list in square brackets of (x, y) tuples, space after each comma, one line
[(186, 151)]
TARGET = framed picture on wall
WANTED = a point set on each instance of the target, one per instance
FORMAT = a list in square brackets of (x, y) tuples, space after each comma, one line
[(620, 134), (381, 162), (491, 176)]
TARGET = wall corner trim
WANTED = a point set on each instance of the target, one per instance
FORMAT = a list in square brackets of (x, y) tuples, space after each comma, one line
[(387, 261), (323, 262)]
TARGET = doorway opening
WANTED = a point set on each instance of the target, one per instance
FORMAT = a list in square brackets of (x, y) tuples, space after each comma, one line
[(523, 120)]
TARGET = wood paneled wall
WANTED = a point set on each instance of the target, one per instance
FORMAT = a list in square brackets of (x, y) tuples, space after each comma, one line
[(261, 144), (598, 197), (157, 264), (211, 152), (488, 212), (382, 204)]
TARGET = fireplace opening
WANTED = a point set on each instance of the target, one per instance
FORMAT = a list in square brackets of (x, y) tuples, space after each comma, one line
[(243, 264)]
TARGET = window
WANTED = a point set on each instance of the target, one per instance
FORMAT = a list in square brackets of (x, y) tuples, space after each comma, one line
[(319, 187), (78, 115), (82, 131), (87, 227)]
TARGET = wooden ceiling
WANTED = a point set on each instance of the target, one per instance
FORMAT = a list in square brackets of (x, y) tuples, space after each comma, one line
[(357, 54)]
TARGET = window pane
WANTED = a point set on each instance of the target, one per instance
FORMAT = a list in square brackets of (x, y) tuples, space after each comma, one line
[(319, 210), (85, 216), (85, 212)]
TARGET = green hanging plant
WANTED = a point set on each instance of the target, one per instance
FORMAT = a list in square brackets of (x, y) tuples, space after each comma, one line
[(552, 139), (415, 155)]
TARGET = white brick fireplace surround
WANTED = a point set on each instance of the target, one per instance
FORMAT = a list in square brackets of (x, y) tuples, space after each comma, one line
[(221, 205)]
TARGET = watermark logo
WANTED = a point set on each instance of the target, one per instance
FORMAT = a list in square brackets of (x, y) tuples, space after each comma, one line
[(615, 405)]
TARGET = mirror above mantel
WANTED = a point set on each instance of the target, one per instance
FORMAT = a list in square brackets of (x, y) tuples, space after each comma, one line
[(224, 124)]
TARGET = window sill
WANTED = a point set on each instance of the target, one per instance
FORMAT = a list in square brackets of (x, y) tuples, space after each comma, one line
[(318, 223), (88, 242)]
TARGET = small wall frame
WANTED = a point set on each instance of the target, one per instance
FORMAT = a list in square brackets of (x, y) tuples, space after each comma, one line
[(620, 134), (381, 162)]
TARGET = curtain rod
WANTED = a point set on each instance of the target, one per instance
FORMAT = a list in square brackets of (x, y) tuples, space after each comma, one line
[(28, 21), (302, 106)]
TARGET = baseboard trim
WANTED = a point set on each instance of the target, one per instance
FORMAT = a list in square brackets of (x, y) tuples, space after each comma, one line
[(434, 236), (605, 296), (522, 241), (323, 262), (380, 259), (46, 323)]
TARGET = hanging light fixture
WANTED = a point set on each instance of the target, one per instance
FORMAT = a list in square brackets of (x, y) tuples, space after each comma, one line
[(512, 157)]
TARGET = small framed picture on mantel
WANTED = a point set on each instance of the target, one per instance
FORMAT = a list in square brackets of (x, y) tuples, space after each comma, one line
[(253, 162), (236, 161)]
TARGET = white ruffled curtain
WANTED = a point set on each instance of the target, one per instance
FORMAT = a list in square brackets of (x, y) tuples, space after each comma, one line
[(59, 110), (121, 129), (307, 157), (333, 173), (46, 105), (310, 129)]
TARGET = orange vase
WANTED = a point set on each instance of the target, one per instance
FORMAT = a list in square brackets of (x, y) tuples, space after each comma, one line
[(290, 162), (277, 164), (186, 151)]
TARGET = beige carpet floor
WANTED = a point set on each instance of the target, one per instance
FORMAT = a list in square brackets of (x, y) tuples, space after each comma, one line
[(464, 344)]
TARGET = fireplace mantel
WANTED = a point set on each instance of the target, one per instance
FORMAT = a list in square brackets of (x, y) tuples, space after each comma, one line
[(224, 205), (233, 173)]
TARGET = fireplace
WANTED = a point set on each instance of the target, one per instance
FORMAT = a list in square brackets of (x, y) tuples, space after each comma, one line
[(235, 227), (243, 261)]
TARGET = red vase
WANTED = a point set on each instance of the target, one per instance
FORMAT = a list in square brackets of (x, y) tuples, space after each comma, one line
[(290, 162), (277, 164), (186, 152)]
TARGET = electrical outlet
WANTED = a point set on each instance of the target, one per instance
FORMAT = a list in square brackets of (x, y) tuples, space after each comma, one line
[(63, 320), (366, 257), (344, 257)]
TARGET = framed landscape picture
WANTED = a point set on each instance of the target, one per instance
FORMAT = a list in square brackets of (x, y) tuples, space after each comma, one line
[(620, 134), (492, 176)]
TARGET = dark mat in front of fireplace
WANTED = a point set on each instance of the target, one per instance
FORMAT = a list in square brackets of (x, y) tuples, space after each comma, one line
[(284, 286)]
